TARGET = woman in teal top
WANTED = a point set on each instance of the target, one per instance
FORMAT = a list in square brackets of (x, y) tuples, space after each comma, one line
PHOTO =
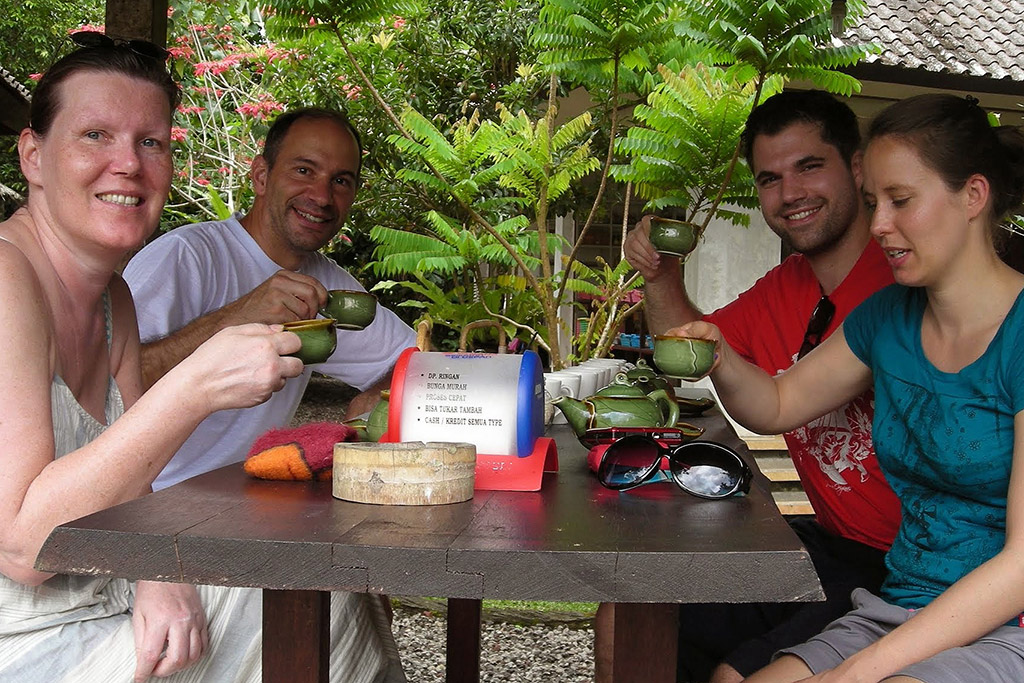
[(945, 440), (944, 350)]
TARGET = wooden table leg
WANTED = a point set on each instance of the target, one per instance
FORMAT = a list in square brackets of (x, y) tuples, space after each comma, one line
[(296, 636), (645, 643), (462, 660)]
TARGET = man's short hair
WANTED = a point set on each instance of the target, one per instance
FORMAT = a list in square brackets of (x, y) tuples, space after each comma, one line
[(835, 120), (279, 129)]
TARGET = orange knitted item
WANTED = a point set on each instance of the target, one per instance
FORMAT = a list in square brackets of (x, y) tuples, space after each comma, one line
[(299, 453)]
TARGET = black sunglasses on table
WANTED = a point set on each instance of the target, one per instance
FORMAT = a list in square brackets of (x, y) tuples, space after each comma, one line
[(705, 469), (821, 318), (143, 48)]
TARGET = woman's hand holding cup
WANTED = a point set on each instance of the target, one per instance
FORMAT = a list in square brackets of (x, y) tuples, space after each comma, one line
[(690, 351), (241, 366)]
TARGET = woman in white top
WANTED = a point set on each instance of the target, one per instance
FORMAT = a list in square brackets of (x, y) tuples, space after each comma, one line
[(97, 159)]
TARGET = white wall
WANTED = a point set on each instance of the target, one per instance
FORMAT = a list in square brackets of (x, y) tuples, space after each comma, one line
[(728, 260)]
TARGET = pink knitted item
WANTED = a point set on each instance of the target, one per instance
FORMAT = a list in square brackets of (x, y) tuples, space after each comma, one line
[(297, 453)]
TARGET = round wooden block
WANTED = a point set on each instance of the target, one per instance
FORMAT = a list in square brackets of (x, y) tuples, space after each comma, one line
[(409, 473)]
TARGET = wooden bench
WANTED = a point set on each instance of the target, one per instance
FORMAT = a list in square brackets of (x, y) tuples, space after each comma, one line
[(773, 460)]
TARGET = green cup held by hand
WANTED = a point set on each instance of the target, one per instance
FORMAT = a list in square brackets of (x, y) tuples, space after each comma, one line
[(318, 336), (683, 357), (350, 309), (672, 237)]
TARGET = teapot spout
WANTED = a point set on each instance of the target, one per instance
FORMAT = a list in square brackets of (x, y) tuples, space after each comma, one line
[(577, 413)]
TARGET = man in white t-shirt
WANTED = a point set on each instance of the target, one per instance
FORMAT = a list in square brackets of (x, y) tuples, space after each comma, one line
[(264, 266)]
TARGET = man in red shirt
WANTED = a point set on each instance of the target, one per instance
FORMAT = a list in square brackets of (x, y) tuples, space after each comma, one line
[(802, 148)]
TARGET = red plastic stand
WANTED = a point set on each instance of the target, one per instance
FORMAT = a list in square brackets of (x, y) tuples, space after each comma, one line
[(511, 473)]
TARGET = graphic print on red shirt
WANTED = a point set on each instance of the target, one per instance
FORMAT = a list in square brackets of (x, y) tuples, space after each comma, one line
[(833, 454)]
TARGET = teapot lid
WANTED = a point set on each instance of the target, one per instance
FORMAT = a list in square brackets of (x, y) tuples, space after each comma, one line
[(621, 386)]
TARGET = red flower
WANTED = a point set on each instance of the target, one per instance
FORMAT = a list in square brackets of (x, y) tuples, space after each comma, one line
[(216, 68), (181, 52), (260, 110), (398, 24), (351, 91), (35, 77), (178, 134), (88, 27), (274, 53)]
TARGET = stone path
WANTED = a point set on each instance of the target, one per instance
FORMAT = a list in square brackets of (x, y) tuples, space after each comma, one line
[(509, 653)]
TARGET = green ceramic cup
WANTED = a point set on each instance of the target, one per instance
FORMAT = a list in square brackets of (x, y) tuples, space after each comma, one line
[(683, 357), (672, 237), (318, 336), (351, 309)]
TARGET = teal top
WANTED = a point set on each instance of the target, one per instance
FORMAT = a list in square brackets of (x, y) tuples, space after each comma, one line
[(944, 441)]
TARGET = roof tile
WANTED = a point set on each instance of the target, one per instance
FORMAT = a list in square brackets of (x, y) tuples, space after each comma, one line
[(977, 37)]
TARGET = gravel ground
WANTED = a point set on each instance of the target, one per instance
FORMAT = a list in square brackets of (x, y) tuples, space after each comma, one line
[(325, 400), (509, 653)]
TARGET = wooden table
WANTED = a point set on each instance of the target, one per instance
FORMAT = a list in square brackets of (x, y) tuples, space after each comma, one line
[(573, 540)]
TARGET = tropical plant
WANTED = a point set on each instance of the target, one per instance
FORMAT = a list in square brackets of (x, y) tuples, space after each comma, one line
[(611, 306), (682, 150), (502, 175), (600, 45), (454, 306), (607, 47)]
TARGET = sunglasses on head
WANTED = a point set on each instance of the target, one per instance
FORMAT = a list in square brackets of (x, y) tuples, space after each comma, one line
[(143, 48), (821, 318), (701, 468)]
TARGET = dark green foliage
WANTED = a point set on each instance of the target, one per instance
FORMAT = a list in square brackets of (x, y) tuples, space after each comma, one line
[(33, 34), (604, 44), (455, 199), (791, 39), (680, 156)]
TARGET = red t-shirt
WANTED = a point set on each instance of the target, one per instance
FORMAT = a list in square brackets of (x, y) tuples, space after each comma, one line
[(833, 454)]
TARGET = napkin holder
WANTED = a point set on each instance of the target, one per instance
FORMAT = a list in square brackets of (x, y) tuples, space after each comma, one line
[(494, 401)]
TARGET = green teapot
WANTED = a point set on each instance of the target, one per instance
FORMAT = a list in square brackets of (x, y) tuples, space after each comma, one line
[(374, 425), (645, 377), (377, 422), (620, 404)]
